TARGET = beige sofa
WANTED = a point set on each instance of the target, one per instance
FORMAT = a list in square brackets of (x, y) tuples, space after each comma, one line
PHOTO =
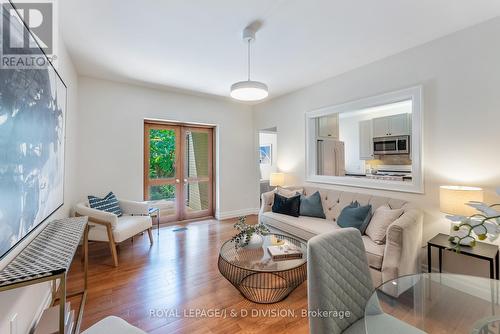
[(397, 257)]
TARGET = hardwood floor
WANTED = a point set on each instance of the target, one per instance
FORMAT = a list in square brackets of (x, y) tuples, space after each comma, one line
[(160, 288)]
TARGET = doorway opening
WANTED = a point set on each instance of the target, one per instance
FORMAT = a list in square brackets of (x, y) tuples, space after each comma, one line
[(268, 156), (179, 170)]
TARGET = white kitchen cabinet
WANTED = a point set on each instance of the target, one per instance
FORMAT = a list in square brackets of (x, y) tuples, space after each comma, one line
[(328, 126), (395, 125), (399, 125), (380, 127), (365, 140)]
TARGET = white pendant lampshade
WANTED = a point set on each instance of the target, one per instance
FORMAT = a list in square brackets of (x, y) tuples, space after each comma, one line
[(249, 90)]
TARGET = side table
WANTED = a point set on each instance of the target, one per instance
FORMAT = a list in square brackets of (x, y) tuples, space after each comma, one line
[(481, 251), (48, 257)]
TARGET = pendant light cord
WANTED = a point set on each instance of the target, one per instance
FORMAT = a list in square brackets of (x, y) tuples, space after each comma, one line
[(248, 57)]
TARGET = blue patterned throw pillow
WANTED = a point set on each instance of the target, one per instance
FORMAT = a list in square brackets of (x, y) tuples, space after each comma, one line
[(355, 215), (108, 204)]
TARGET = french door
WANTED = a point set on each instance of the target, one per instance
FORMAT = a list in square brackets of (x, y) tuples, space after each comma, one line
[(178, 170)]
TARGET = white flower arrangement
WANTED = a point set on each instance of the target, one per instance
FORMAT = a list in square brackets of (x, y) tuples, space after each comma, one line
[(485, 224)]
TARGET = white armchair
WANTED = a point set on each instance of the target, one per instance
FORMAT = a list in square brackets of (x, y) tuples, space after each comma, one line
[(108, 227)]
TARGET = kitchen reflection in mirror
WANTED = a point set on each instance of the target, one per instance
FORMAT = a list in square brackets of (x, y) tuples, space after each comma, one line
[(370, 143)]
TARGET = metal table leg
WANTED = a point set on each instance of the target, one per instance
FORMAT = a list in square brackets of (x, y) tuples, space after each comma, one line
[(62, 303), (440, 260), (429, 258)]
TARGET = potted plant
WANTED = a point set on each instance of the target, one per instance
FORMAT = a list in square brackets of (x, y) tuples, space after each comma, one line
[(249, 236)]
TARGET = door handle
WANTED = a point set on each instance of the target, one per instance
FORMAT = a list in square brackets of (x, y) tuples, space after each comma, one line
[(185, 180), (177, 181)]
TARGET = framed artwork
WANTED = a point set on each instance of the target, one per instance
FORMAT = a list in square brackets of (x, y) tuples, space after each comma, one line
[(32, 137), (265, 154)]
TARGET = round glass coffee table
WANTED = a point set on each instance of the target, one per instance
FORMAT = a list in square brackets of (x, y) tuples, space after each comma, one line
[(257, 276)]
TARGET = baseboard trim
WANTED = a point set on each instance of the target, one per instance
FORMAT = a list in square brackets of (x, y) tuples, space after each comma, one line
[(236, 213)]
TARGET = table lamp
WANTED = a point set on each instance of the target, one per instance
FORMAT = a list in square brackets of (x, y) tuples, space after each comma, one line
[(453, 199), (277, 179)]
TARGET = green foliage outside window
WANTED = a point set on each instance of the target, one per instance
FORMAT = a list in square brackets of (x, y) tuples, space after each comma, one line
[(162, 162), (166, 191)]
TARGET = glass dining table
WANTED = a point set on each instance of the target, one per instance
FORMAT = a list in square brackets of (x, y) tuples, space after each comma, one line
[(434, 303)]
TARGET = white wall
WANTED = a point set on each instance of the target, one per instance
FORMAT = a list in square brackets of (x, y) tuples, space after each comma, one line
[(111, 117), (28, 302), (266, 138), (460, 75)]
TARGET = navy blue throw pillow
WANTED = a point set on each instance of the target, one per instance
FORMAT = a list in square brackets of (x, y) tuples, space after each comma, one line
[(355, 215), (311, 206), (286, 205), (108, 204)]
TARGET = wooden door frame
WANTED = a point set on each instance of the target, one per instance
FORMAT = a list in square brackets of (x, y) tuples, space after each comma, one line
[(180, 129), (208, 212), (175, 180)]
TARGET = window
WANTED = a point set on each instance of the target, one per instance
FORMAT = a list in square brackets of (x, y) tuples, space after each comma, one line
[(373, 142)]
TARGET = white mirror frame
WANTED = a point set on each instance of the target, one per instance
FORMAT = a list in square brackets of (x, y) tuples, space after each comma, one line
[(416, 186)]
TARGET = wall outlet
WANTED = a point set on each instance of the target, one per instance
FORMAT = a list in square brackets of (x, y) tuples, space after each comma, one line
[(13, 324)]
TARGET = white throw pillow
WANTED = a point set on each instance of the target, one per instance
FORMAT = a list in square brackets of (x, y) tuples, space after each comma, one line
[(382, 218), (289, 192)]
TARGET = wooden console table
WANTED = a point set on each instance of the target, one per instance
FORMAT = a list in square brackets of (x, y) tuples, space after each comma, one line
[(48, 258)]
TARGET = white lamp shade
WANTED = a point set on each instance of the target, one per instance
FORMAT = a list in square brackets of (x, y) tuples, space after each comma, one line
[(277, 179), (249, 91), (452, 199)]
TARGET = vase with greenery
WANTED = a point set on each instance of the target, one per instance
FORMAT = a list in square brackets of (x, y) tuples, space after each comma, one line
[(249, 236), (482, 225)]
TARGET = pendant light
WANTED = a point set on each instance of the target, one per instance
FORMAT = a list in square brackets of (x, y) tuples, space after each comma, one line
[(249, 90)]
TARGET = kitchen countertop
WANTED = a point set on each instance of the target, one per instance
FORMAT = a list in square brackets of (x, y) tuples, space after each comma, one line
[(405, 178)]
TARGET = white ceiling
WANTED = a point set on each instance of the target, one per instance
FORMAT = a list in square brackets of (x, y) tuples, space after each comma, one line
[(196, 45)]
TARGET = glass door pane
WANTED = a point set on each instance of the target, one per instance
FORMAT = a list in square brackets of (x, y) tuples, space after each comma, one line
[(197, 196), (162, 162), (197, 152), (161, 181), (164, 197)]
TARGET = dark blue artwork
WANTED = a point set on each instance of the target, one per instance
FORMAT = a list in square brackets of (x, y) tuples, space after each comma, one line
[(265, 154), (32, 118)]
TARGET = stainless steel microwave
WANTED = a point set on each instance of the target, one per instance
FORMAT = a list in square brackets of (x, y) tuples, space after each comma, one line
[(391, 145)]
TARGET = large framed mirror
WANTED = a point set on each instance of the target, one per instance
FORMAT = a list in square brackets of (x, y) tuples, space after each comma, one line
[(374, 142)]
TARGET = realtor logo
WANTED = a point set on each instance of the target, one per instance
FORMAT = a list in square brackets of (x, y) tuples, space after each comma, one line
[(22, 48)]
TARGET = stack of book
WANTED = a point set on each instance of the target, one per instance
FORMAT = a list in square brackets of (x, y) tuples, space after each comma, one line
[(285, 252)]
